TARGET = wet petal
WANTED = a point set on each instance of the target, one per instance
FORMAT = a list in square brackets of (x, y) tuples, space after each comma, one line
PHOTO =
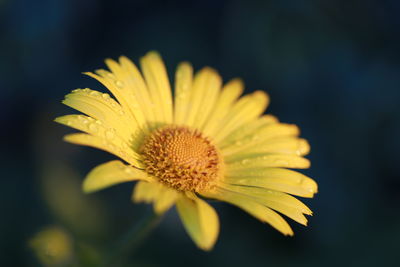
[(254, 208), (278, 179), (200, 221), (156, 77), (111, 173), (204, 93), (101, 143), (262, 136), (183, 90), (104, 108), (254, 161), (230, 92), (281, 202), (244, 110)]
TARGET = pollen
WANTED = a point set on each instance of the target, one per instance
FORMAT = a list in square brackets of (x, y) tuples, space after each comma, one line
[(181, 158)]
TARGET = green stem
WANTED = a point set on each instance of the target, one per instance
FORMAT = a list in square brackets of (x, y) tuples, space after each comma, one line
[(129, 242)]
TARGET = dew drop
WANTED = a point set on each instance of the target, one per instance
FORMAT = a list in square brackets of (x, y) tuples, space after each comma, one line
[(119, 84), (128, 170), (69, 123), (238, 143), (94, 93), (185, 87), (110, 134), (280, 162), (105, 96), (110, 75), (245, 161), (93, 127)]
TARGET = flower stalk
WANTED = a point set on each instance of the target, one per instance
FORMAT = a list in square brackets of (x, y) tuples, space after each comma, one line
[(132, 239)]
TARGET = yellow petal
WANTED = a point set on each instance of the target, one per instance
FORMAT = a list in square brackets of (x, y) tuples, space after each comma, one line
[(156, 77), (98, 129), (256, 209), (103, 108), (285, 145), (135, 90), (165, 199), (245, 110), (207, 98), (154, 192), (248, 161), (281, 202), (252, 127), (146, 191), (111, 173), (200, 221), (230, 92), (124, 96), (205, 88), (261, 136), (278, 179), (183, 88), (101, 143)]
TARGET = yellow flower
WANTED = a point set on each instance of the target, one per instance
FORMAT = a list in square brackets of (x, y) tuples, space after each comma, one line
[(204, 140), (53, 246)]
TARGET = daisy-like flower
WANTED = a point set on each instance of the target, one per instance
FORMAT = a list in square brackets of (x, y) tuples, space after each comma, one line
[(202, 141)]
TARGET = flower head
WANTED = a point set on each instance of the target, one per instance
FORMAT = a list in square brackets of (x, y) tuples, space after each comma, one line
[(202, 141)]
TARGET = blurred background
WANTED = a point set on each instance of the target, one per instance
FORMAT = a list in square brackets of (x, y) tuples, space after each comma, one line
[(331, 67)]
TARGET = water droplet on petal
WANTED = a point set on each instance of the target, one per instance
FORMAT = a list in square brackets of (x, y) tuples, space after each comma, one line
[(245, 161), (280, 162), (110, 134), (119, 84), (94, 93), (128, 170), (93, 127), (105, 96), (110, 75)]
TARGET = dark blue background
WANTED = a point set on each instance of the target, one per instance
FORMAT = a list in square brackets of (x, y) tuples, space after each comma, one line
[(332, 67)]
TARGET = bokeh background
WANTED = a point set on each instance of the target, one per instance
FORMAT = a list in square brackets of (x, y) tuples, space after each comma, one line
[(332, 67)]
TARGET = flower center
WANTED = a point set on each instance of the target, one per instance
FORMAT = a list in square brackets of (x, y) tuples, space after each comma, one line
[(181, 158)]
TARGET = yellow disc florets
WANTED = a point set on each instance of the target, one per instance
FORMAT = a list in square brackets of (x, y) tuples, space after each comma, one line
[(181, 158)]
